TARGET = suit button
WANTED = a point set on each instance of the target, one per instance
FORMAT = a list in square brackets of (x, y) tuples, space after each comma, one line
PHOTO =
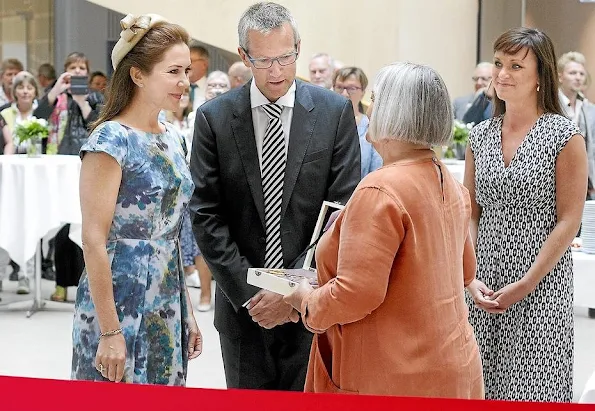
[(262, 240)]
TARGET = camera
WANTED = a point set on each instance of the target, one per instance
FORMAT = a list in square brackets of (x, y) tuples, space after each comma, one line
[(79, 85)]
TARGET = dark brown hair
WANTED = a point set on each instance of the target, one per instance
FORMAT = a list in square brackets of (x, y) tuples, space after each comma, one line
[(74, 57), (144, 55), (514, 40)]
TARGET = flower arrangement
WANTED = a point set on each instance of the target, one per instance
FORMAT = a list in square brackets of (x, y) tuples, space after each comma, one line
[(460, 132), (35, 128), (460, 136)]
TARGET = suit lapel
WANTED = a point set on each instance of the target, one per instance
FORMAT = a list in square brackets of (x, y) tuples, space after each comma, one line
[(243, 133), (302, 128)]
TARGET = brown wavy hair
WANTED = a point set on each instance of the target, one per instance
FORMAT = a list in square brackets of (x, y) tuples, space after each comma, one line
[(514, 40), (144, 56)]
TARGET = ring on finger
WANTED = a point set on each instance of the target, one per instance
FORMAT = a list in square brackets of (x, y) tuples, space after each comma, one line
[(100, 368)]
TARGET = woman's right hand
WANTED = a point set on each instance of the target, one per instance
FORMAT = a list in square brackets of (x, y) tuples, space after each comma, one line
[(62, 84), (111, 357), (481, 296)]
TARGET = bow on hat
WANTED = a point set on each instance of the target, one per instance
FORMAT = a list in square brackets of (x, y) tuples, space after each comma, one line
[(130, 24), (133, 29)]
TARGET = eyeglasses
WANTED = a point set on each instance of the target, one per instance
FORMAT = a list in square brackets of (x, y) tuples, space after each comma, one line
[(350, 90), (483, 78), (217, 85), (266, 63)]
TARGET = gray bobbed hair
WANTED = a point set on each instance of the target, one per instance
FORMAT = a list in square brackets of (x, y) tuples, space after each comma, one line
[(411, 103), (265, 17)]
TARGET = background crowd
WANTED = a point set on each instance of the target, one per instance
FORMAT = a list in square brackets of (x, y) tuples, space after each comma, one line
[(427, 287)]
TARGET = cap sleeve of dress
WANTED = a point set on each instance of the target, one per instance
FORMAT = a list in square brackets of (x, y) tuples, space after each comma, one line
[(566, 128), (110, 138)]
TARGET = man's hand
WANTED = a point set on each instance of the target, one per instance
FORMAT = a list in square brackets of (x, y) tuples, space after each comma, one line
[(269, 310)]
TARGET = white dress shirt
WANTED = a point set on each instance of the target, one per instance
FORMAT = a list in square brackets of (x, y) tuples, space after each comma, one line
[(200, 92), (260, 120), (573, 113)]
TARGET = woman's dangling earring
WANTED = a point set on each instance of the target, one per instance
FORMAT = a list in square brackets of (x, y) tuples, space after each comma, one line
[(538, 88)]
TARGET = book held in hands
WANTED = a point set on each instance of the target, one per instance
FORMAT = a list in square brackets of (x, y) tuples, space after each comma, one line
[(284, 281)]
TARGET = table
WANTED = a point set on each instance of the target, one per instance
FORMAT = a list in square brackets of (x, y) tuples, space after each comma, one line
[(584, 279), (36, 196), (456, 168)]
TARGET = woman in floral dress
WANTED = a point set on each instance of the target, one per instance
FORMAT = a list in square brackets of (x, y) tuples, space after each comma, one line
[(133, 317)]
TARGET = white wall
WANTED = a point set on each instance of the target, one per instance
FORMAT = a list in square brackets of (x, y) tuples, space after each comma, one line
[(370, 34), (87, 24)]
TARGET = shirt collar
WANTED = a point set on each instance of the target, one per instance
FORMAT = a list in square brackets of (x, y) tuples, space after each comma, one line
[(202, 83), (258, 99), (563, 99), (566, 101)]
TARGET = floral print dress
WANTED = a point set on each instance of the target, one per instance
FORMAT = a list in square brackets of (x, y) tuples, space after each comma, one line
[(143, 248)]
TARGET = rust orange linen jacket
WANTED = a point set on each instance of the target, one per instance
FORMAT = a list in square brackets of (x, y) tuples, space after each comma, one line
[(390, 313)]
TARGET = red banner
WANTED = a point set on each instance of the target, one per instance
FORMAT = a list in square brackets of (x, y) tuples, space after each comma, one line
[(20, 394)]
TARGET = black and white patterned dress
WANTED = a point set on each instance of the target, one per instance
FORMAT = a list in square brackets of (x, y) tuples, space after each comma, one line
[(528, 351)]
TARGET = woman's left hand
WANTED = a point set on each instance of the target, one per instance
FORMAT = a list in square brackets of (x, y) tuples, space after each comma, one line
[(511, 294), (194, 339), (296, 298)]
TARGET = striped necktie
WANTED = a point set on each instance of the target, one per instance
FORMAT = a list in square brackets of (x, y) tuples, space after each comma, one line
[(272, 174)]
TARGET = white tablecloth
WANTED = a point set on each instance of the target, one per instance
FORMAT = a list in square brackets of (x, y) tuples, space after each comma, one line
[(456, 168), (584, 279), (36, 196)]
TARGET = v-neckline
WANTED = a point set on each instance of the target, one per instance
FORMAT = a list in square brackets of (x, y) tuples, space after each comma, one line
[(514, 156)]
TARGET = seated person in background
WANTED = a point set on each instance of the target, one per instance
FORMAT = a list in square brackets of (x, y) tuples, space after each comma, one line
[(481, 79), (398, 254)]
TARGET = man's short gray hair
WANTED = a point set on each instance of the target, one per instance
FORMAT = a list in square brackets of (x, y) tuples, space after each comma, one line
[(329, 59), (411, 103), (238, 69), (265, 17), (218, 75)]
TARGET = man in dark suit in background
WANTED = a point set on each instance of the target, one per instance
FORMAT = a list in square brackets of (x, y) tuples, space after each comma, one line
[(261, 172)]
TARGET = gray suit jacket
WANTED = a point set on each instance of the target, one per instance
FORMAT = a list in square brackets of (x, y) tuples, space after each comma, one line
[(323, 163), (461, 104)]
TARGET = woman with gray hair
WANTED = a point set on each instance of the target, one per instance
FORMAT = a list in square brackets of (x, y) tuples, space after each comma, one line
[(389, 313), (25, 91)]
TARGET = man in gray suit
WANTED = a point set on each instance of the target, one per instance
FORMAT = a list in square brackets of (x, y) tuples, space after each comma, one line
[(481, 80), (572, 76), (264, 158)]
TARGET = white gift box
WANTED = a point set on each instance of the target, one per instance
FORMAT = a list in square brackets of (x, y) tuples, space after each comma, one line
[(284, 280)]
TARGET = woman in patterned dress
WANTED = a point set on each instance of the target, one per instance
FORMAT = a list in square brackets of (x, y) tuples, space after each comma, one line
[(526, 171), (133, 317)]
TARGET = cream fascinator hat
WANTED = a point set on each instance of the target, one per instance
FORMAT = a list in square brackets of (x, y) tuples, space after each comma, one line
[(133, 29)]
